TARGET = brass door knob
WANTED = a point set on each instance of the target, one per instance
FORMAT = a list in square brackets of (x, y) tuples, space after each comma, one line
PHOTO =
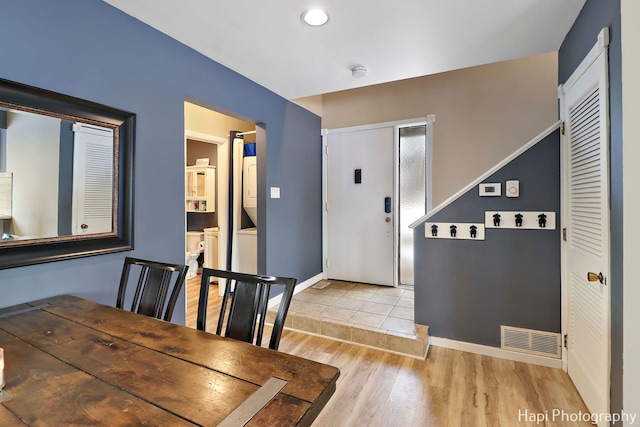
[(592, 277)]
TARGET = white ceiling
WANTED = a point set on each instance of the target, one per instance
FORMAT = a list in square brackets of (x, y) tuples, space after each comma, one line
[(267, 42)]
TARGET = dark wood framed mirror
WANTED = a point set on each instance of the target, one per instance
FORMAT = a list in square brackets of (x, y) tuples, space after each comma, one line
[(66, 177)]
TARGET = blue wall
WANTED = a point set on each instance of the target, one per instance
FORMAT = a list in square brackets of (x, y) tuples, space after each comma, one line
[(466, 289), (90, 50), (595, 15)]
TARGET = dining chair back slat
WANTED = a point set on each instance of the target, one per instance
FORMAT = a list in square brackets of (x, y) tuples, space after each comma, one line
[(152, 287), (243, 311)]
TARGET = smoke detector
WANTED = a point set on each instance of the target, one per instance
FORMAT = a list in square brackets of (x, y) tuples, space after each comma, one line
[(359, 71)]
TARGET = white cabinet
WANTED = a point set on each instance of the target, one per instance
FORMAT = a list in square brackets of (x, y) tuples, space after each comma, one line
[(201, 189)]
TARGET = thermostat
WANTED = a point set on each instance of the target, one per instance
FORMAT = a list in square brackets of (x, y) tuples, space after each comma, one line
[(490, 189), (512, 188)]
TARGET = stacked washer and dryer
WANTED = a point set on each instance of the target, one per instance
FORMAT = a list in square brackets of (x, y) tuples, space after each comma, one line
[(247, 240)]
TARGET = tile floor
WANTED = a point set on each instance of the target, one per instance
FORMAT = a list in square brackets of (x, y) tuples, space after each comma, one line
[(374, 306), (371, 315)]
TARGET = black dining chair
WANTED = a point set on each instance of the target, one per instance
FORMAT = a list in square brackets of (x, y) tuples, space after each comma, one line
[(152, 289), (249, 294)]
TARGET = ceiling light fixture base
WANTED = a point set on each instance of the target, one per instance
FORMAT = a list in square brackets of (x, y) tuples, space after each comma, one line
[(359, 71)]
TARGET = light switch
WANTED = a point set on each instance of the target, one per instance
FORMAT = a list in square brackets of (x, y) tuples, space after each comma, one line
[(275, 192)]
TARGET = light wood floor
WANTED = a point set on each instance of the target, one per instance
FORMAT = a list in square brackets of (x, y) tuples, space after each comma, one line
[(449, 388)]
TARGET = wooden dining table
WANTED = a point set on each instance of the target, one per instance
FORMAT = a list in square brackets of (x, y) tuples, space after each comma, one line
[(73, 362)]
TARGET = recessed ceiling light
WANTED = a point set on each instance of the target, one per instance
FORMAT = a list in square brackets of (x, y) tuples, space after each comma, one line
[(315, 17)]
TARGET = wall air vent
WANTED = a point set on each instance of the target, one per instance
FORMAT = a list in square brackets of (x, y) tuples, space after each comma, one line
[(540, 343)]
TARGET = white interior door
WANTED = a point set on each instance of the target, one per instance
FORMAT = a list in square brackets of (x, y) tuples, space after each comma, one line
[(586, 201), (238, 144), (360, 225), (92, 179)]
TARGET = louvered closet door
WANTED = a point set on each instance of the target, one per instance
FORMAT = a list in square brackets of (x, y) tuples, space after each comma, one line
[(92, 180), (586, 160)]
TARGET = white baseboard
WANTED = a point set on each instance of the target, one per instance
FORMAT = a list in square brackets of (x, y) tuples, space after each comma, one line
[(299, 288), (496, 352)]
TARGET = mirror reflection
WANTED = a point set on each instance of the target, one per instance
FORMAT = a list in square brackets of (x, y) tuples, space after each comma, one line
[(57, 176)]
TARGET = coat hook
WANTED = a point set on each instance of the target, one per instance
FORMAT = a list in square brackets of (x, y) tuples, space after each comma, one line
[(496, 220), (519, 217), (542, 220), (473, 230), (454, 230), (434, 230)]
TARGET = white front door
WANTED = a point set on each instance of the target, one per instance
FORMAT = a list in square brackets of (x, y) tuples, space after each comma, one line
[(586, 218), (361, 205)]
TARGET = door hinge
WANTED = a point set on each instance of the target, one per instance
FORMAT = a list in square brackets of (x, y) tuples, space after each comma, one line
[(564, 234), (326, 262), (566, 341), (326, 206), (562, 128)]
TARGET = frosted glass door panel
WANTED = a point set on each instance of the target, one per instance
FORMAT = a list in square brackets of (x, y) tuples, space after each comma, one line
[(412, 193)]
